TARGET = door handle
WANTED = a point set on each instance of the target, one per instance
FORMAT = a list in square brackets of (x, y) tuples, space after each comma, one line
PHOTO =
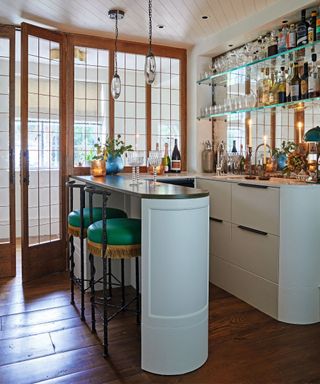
[(253, 230), (216, 220), (26, 178), (11, 166), (253, 186)]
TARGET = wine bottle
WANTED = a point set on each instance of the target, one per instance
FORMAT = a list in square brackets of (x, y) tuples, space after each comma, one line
[(304, 82), (281, 89), (166, 159), (176, 158), (313, 81), (295, 84), (312, 29), (302, 30), (234, 148)]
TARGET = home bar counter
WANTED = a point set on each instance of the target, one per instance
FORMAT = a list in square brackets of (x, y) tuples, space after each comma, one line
[(174, 270)]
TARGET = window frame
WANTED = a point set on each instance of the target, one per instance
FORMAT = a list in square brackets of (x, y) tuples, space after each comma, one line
[(96, 42)]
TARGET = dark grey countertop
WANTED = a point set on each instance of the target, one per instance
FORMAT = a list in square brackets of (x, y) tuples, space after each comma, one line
[(146, 189)]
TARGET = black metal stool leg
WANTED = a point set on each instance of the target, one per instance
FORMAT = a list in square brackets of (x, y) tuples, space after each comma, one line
[(123, 293), (92, 299), (105, 309), (138, 291), (71, 258), (82, 254), (109, 277)]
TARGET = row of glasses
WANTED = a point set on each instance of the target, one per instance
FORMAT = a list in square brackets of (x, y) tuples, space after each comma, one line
[(137, 158), (231, 104)]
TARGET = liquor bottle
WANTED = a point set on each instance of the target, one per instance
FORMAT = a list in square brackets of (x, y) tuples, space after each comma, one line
[(242, 160), (302, 30), (282, 38), (312, 29), (292, 37), (176, 158), (281, 89), (273, 92), (288, 80), (304, 82), (260, 89), (166, 159), (273, 45), (318, 27), (267, 85), (313, 81), (295, 84)]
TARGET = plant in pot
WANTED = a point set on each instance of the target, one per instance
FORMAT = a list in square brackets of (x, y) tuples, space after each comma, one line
[(98, 159), (114, 148), (280, 155)]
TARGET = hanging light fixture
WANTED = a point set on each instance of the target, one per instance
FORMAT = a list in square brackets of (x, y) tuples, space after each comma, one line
[(116, 14), (150, 63)]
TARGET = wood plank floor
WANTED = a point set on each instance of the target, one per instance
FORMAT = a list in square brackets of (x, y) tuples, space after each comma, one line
[(43, 340)]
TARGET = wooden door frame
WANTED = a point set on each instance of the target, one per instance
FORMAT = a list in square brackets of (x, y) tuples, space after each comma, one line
[(51, 256), (8, 259)]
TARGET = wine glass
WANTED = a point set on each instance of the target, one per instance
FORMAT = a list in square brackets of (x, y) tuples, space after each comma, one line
[(139, 162), (133, 162), (155, 158)]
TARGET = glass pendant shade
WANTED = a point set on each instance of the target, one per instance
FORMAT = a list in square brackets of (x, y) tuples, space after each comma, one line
[(116, 86), (313, 135), (150, 68)]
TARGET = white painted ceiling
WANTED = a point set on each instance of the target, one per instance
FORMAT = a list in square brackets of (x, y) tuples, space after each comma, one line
[(182, 19)]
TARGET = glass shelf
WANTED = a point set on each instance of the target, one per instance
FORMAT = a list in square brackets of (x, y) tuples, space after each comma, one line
[(253, 109), (282, 56)]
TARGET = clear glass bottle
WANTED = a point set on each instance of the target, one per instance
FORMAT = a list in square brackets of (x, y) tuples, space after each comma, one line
[(260, 88), (292, 37), (267, 85), (282, 38), (273, 93), (273, 44)]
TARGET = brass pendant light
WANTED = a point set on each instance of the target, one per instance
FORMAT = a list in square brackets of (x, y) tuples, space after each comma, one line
[(116, 14), (150, 63)]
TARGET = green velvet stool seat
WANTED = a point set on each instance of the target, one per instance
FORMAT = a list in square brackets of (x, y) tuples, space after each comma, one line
[(110, 239), (78, 222)]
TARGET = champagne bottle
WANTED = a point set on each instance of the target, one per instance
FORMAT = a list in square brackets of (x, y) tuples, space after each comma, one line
[(166, 159), (295, 84), (176, 158), (302, 30)]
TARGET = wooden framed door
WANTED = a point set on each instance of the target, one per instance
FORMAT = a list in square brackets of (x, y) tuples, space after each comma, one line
[(43, 152), (7, 163)]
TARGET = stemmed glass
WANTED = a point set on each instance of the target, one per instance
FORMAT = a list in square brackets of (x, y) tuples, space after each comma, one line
[(155, 158), (139, 161)]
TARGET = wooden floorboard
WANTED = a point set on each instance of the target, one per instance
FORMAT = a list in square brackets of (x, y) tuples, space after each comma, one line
[(43, 340)]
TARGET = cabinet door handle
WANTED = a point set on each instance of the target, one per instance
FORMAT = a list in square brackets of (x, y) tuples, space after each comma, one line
[(216, 220), (253, 186), (252, 230)]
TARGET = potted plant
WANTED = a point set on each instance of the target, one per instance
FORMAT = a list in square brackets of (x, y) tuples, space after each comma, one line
[(97, 160), (281, 154)]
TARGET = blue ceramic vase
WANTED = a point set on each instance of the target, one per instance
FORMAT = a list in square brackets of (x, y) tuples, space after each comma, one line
[(282, 161), (114, 165)]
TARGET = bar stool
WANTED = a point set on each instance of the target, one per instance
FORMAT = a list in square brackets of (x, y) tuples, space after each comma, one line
[(112, 239), (78, 222)]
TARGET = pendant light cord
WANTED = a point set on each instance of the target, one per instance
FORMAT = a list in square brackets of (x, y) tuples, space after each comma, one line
[(116, 46), (150, 25)]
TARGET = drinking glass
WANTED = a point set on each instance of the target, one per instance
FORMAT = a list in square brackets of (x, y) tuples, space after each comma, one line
[(155, 158), (132, 161), (139, 162)]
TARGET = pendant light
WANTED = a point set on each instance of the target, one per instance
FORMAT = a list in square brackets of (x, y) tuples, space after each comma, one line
[(116, 14), (150, 63)]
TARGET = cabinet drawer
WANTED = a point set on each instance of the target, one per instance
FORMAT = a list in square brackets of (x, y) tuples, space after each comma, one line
[(256, 207), (220, 197), (256, 252), (254, 290), (220, 242)]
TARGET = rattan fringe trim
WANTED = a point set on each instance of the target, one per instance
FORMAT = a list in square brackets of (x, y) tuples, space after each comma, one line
[(75, 231), (115, 251)]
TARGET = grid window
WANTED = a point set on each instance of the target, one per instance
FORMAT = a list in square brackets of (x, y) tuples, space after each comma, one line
[(44, 218), (130, 107), (91, 101), (165, 104)]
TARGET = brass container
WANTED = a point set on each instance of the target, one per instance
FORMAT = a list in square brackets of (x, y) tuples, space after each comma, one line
[(98, 168)]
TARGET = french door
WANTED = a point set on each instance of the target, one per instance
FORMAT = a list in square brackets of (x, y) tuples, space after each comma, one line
[(7, 164), (43, 151)]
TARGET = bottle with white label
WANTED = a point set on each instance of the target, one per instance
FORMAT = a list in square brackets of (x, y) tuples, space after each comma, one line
[(176, 158), (313, 80), (295, 84)]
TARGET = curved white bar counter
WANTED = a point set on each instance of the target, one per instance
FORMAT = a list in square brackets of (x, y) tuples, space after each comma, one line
[(174, 269)]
